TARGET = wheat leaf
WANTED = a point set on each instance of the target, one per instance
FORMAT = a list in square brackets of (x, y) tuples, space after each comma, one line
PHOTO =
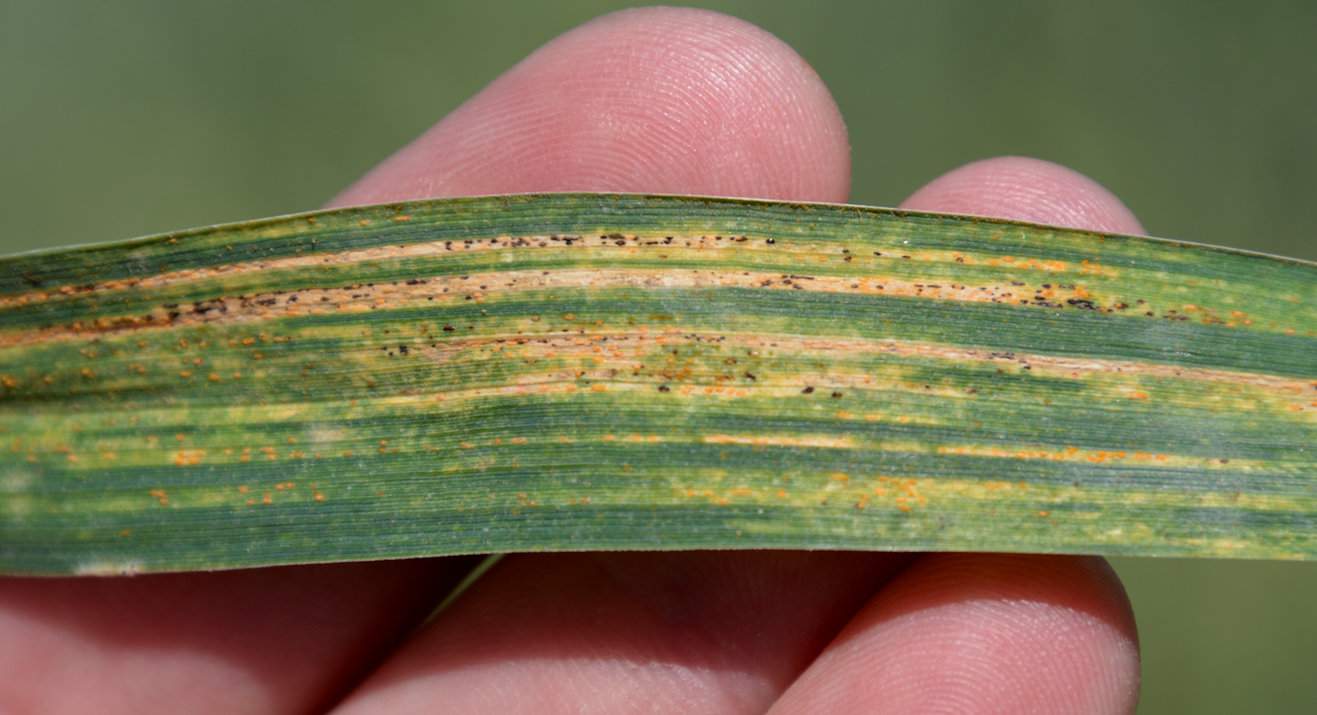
[(588, 371)]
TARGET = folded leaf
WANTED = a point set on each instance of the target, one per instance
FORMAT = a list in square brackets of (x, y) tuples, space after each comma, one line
[(587, 371)]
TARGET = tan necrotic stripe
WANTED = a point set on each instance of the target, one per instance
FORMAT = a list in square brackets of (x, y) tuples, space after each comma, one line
[(630, 243), (565, 383), (478, 286), (573, 344), (457, 289), (628, 347)]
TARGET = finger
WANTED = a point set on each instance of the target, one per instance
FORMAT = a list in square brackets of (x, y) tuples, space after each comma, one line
[(982, 634), (249, 641), (1026, 189), (990, 633), (657, 100), (673, 100)]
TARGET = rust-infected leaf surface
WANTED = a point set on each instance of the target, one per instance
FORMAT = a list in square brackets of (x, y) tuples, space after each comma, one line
[(586, 371)]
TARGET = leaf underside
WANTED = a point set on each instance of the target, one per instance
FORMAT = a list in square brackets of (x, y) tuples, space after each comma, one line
[(586, 371)]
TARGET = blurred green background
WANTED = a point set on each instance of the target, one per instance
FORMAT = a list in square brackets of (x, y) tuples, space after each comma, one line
[(119, 119)]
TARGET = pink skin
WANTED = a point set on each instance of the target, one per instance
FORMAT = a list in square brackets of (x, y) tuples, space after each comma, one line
[(659, 100)]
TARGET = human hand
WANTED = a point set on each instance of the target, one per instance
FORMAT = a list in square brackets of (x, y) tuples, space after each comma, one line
[(669, 101)]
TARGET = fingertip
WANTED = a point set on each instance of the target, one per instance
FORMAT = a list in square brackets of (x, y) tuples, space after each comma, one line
[(1026, 189), (662, 100), (983, 633)]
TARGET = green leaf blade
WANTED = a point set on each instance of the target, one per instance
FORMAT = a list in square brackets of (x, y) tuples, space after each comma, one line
[(565, 372)]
